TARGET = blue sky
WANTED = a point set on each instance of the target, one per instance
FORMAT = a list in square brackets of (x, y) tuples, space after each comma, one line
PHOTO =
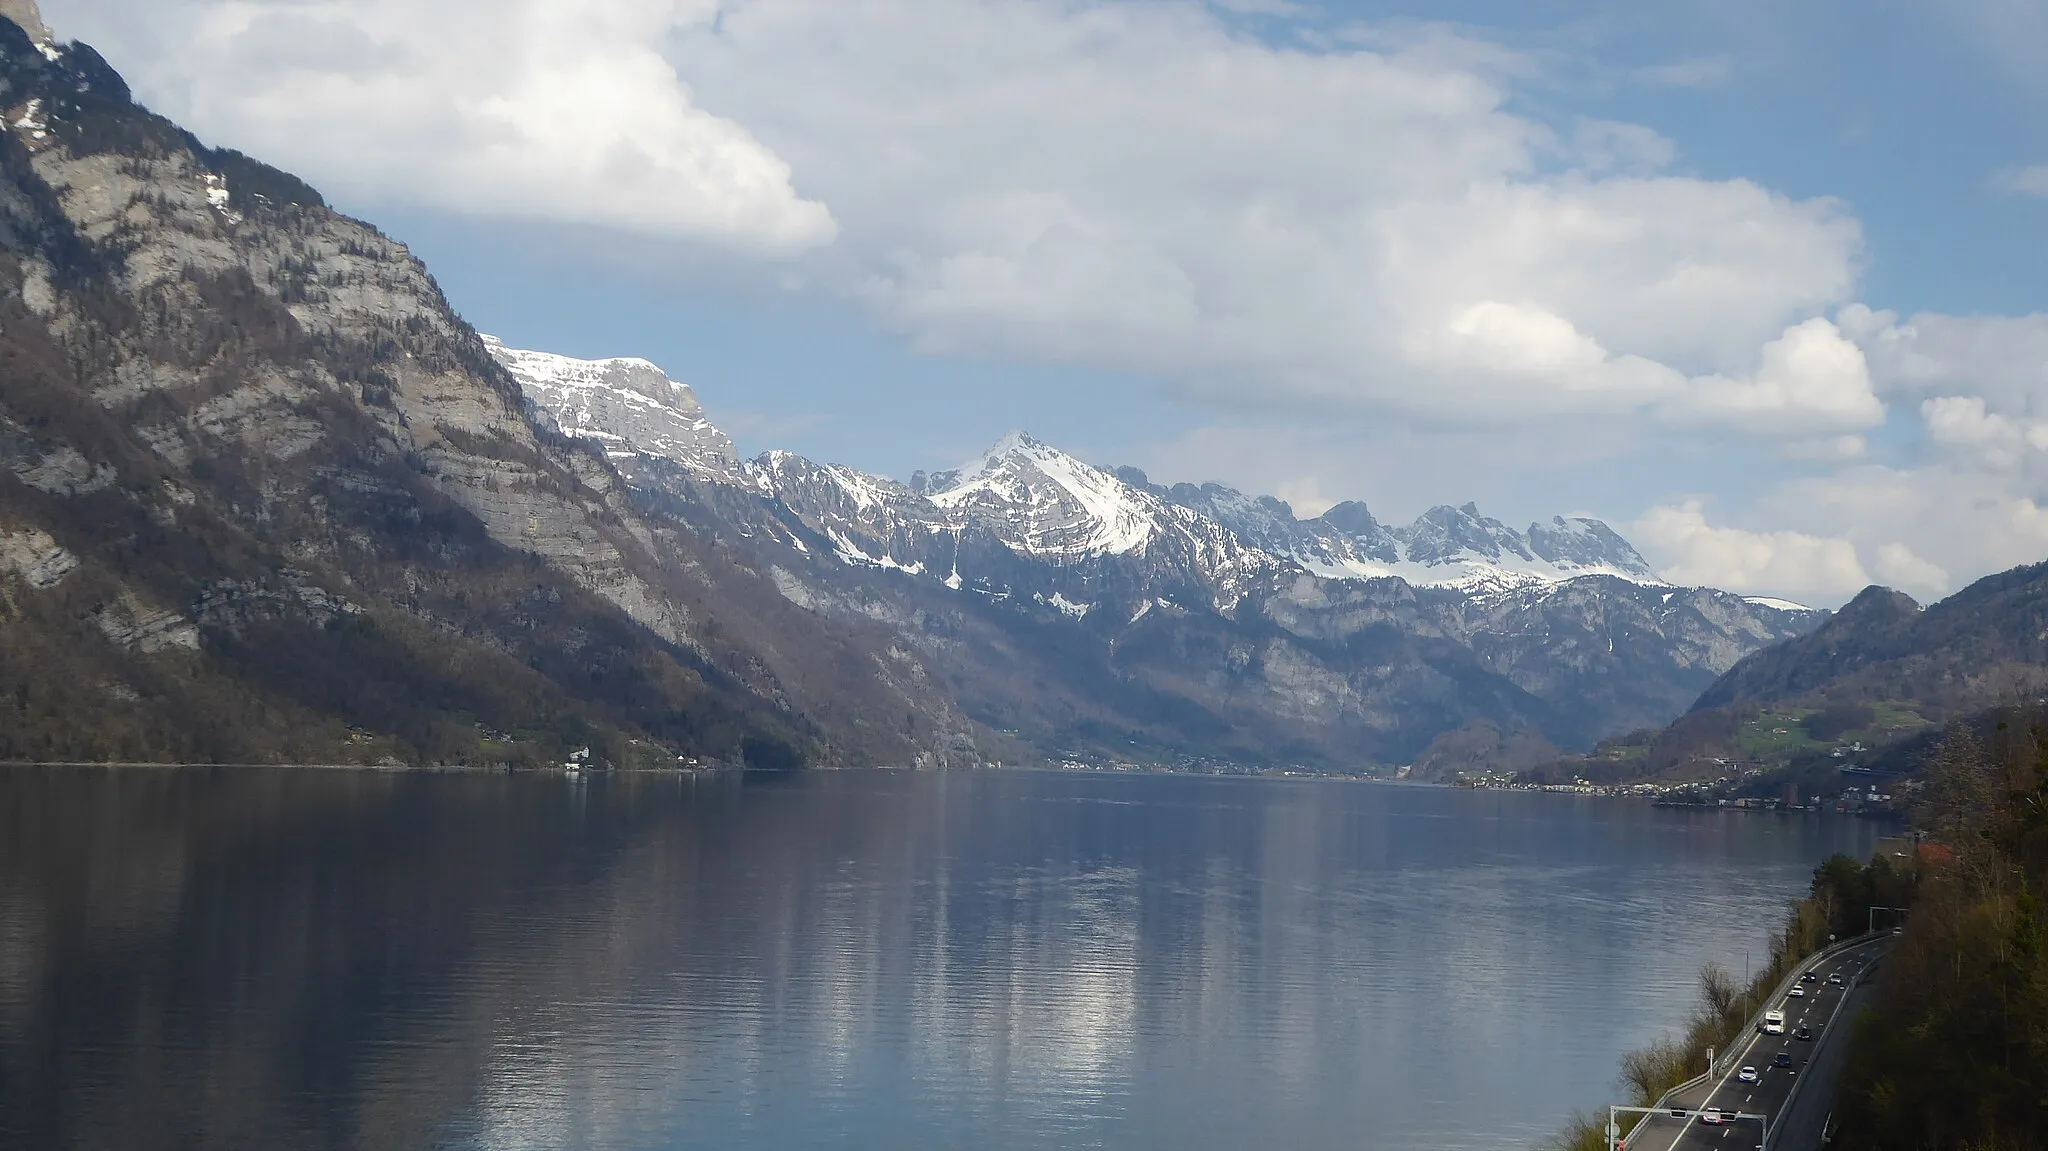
[(1756, 282)]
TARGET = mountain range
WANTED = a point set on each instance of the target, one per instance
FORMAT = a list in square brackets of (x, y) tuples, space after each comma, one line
[(265, 496), (1870, 690), (1089, 611)]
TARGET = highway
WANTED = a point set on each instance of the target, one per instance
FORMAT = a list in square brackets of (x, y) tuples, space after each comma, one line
[(1800, 1129), (1816, 1011)]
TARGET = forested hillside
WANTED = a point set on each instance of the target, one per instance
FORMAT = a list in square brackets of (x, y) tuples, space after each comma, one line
[(1954, 1054), (1865, 689)]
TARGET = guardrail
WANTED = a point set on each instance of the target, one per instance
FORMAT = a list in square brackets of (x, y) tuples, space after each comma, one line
[(1827, 1036), (1777, 995)]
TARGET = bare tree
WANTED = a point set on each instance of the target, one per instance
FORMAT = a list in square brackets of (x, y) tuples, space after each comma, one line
[(1718, 990)]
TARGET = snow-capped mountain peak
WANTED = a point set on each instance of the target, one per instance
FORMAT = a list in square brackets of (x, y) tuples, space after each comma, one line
[(628, 404), (1581, 543), (1042, 504), (1445, 547), (1045, 502)]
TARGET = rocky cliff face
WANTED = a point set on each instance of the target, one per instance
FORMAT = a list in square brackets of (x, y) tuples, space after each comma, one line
[(1092, 613), (265, 496)]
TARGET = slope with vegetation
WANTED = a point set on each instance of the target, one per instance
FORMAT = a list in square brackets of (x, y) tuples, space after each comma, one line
[(1953, 1053), (264, 496), (1836, 907), (1866, 689)]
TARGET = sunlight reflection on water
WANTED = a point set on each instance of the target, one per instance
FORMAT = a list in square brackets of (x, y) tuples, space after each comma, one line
[(1002, 960)]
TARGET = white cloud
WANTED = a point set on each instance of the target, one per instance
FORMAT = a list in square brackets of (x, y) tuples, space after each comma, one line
[(1812, 379), (1689, 550), (1135, 187), (1305, 495), (1978, 436), (2028, 181), (1131, 186), (2001, 358), (1826, 449), (1898, 567), (1367, 230), (1975, 503), (525, 109)]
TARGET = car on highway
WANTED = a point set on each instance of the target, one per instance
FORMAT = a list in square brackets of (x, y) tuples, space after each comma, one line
[(1835, 979), (1810, 977), (1747, 1075), (1712, 1117), (1782, 1059), (1804, 1032), (1797, 992)]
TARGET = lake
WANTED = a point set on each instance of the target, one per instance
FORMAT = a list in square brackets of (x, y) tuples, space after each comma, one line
[(255, 958)]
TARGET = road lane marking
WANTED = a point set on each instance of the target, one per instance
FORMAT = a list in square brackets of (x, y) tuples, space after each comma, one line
[(1687, 1128)]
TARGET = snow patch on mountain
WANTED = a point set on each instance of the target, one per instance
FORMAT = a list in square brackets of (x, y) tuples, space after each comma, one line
[(1453, 547), (629, 405), (1045, 502), (1775, 604), (1065, 606), (1042, 504)]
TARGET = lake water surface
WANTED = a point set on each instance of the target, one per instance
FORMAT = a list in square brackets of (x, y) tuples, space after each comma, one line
[(271, 959)]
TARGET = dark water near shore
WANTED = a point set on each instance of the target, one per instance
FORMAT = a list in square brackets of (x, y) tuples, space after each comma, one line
[(268, 959)]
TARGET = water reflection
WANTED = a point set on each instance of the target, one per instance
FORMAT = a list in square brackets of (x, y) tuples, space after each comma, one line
[(264, 959)]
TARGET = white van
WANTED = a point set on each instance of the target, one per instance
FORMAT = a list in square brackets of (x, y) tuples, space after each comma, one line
[(1774, 1023)]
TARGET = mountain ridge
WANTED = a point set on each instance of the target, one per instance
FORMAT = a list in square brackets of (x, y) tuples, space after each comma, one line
[(1106, 552), (1865, 691), (1105, 510), (1986, 642), (264, 496)]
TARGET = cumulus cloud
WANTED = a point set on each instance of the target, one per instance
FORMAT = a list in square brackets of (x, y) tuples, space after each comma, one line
[(2001, 358), (1128, 186), (1689, 550), (1897, 566), (511, 108), (1812, 379), (1137, 187), (1976, 435), (1975, 503), (1362, 226)]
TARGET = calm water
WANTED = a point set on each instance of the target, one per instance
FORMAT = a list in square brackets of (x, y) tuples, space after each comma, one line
[(266, 959)]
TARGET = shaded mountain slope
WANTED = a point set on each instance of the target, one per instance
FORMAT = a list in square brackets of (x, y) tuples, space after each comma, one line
[(1971, 650), (1089, 613), (264, 496), (1863, 692)]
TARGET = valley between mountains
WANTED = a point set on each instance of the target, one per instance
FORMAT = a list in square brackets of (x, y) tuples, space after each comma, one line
[(264, 496), (1085, 612)]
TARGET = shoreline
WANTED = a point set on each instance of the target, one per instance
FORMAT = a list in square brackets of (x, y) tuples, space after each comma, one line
[(1277, 775)]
